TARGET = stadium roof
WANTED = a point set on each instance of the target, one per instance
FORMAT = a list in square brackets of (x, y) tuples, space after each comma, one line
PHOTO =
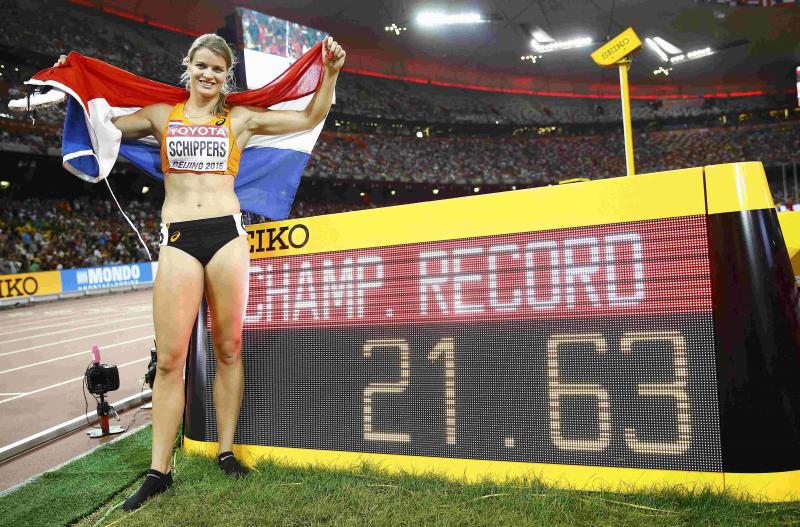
[(761, 44)]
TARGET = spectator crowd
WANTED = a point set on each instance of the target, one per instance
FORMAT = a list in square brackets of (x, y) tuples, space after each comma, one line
[(53, 234), (38, 234), (522, 159), (541, 160), (156, 53), (46, 234)]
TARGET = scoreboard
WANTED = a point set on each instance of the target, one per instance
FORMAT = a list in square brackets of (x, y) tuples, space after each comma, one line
[(620, 333)]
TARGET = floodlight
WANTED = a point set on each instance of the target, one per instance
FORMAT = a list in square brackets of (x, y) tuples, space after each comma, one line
[(541, 47), (394, 28), (666, 46), (437, 18), (653, 46), (699, 53), (532, 58), (692, 55), (672, 54), (542, 36)]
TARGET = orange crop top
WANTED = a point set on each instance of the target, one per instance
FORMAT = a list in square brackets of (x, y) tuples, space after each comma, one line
[(208, 148)]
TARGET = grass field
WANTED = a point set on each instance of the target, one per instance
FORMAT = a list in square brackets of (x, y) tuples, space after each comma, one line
[(86, 491)]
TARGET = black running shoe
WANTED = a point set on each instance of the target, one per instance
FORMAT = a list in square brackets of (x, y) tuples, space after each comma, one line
[(228, 463), (154, 483)]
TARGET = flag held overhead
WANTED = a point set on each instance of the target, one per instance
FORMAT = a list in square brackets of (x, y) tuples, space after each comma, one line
[(270, 167)]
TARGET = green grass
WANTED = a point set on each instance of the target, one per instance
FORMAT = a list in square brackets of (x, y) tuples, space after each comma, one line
[(76, 490), (288, 496)]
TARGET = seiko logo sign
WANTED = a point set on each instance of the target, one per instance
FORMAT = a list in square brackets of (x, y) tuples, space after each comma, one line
[(616, 47), (278, 238), (10, 287)]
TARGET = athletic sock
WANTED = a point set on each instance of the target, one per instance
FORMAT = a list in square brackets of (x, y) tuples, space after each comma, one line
[(228, 463), (155, 482)]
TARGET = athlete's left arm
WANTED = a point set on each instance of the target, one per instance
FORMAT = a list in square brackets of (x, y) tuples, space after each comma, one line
[(275, 122)]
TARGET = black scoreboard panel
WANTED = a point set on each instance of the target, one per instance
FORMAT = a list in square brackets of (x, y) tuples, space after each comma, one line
[(587, 346), (611, 393)]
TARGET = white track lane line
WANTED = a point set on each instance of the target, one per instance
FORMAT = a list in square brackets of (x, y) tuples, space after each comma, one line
[(78, 304), (104, 323), (66, 305), (86, 352), (12, 393), (19, 328), (35, 327), (65, 382), (17, 314), (33, 321), (36, 318), (73, 340)]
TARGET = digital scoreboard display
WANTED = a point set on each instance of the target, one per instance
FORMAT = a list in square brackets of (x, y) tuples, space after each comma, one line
[(624, 336), (582, 346)]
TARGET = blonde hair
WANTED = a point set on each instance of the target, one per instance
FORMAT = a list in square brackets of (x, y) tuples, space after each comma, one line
[(216, 45)]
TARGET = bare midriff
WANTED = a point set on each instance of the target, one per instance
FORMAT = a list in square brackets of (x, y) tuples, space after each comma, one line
[(194, 196)]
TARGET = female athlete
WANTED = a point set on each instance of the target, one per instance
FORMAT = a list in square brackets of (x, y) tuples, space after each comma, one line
[(203, 244)]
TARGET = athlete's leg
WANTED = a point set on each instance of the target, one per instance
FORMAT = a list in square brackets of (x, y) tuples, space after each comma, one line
[(227, 279), (176, 299)]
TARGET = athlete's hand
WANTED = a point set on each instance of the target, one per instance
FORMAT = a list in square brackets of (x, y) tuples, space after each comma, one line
[(333, 55), (61, 60)]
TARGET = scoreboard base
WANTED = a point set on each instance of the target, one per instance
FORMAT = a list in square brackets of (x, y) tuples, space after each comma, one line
[(767, 487), (579, 477)]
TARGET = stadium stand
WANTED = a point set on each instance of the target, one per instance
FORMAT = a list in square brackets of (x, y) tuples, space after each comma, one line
[(43, 234), (372, 137), (542, 160)]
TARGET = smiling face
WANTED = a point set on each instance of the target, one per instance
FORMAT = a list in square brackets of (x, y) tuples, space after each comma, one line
[(207, 72)]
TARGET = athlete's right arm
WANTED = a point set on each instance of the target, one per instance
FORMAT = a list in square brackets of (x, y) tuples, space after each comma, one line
[(149, 120)]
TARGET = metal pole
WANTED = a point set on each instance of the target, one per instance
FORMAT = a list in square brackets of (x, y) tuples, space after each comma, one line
[(783, 173), (626, 115), (794, 172)]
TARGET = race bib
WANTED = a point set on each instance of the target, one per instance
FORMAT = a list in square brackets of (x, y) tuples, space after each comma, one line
[(197, 148)]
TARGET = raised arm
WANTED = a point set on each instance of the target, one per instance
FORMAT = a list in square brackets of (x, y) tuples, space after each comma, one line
[(149, 120), (273, 122)]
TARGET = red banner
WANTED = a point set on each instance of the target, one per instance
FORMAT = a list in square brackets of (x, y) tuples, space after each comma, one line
[(640, 268)]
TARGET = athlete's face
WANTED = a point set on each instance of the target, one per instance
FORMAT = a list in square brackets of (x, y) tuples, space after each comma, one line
[(207, 71)]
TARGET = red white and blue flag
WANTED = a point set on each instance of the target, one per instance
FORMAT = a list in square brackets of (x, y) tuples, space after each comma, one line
[(270, 166)]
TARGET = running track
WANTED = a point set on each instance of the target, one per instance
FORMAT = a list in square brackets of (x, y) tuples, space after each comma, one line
[(45, 349)]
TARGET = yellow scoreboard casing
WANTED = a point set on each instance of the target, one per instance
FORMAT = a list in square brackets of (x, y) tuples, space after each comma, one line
[(625, 333), (790, 227)]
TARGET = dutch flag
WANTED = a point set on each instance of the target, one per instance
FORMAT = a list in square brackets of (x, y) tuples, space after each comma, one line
[(270, 167)]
